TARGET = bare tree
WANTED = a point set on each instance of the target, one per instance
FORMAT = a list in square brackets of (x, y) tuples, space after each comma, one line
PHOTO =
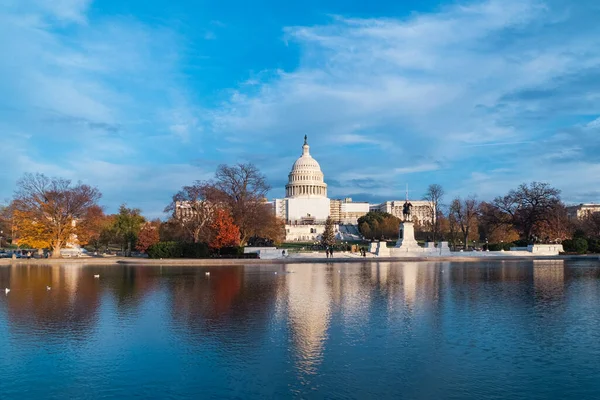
[(47, 210), (465, 213), (243, 189), (591, 225), (434, 196), (528, 206), (192, 211)]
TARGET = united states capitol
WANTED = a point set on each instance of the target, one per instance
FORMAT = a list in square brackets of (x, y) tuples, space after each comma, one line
[(306, 205)]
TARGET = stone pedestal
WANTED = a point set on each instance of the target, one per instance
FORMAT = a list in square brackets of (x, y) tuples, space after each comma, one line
[(382, 250), (372, 247), (407, 235), (406, 242), (444, 249)]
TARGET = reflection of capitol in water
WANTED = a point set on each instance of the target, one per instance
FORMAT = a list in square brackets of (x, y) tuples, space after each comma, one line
[(316, 295), (309, 307)]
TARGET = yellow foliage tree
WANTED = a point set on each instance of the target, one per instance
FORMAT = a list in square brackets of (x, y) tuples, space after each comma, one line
[(29, 232), (47, 210)]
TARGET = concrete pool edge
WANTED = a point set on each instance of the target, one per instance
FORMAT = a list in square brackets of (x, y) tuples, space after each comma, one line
[(307, 260)]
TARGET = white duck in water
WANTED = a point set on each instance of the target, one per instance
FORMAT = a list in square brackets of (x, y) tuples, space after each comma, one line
[(48, 288), (96, 276), (6, 290)]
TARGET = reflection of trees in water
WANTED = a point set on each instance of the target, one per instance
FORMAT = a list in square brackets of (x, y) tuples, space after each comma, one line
[(129, 285), (70, 306), (549, 280), (230, 306)]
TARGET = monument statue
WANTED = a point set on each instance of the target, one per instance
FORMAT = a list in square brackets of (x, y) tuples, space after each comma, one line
[(407, 211)]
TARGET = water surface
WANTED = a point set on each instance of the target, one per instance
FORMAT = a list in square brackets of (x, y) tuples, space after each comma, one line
[(374, 330)]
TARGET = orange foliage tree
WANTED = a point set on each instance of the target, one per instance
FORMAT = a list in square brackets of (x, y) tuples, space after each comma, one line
[(225, 232), (90, 227), (48, 210), (29, 232), (148, 236)]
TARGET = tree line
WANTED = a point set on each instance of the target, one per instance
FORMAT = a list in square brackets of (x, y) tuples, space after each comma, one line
[(530, 213), (227, 211), (230, 210)]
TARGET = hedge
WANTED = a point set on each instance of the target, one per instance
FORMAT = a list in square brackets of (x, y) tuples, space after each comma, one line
[(193, 250), (577, 245), (178, 250), (500, 246)]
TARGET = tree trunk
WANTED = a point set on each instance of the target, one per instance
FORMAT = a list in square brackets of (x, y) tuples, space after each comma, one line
[(56, 252), (466, 240)]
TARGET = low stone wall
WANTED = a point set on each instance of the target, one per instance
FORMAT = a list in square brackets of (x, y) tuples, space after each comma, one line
[(541, 249), (430, 250)]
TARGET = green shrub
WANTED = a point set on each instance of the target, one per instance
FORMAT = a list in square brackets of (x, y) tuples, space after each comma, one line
[(520, 243), (230, 251), (500, 246), (594, 246), (165, 250), (577, 245), (195, 250), (178, 250)]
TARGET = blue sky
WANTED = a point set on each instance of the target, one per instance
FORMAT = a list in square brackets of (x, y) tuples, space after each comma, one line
[(141, 97)]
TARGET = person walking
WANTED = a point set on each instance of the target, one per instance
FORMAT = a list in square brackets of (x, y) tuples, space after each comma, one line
[(331, 252), (327, 252)]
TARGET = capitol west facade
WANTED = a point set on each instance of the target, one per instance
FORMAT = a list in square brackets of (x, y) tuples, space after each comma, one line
[(306, 205)]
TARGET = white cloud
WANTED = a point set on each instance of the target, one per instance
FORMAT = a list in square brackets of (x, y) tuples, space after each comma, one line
[(93, 98), (459, 85), (417, 168), (352, 138), (67, 11)]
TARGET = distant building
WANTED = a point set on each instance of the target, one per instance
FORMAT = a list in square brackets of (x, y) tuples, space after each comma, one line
[(582, 211), (347, 212), (421, 210)]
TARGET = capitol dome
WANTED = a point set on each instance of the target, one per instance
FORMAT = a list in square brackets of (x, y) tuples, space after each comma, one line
[(306, 178)]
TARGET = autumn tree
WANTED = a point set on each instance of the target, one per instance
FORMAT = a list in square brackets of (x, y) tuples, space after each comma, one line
[(47, 211), (148, 236), (5, 225), (225, 232), (242, 189), (464, 212), (192, 211), (90, 228), (528, 206), (555, 227), (591, 225), (127, 225), (269, 228), (328, 236), (434, 197)]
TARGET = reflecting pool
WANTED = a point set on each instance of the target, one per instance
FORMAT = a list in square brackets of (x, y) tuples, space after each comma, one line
[(373, 330)]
